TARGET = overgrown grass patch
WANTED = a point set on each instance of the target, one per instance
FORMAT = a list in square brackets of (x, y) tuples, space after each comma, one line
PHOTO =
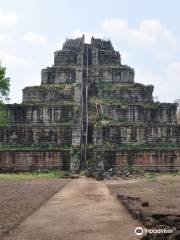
[(171, 176), (36, 175), (151, 177)]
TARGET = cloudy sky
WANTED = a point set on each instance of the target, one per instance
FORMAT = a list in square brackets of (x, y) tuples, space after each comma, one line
[(147, 34)]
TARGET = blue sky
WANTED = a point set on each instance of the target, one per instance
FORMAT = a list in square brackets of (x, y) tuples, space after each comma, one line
[(146, 33)]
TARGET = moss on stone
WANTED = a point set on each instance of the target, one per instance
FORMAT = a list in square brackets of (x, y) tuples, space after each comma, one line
[(123, 104), (135, 147), (114, 86), (108, 101), (50, 104), (59, 86), (65, 147)]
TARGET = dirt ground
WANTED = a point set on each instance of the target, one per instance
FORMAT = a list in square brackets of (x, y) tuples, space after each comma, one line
[(19, 199), (86, 206), (83, 210), (162, 192)]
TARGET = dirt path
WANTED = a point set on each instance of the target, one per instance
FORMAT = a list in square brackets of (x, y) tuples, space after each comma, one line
[(83, 210)]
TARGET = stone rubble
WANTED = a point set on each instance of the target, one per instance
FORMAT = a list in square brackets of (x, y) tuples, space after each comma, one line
[(114, 173)]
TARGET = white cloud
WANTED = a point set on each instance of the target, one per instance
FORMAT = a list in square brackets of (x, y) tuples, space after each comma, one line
[(149, 33), (33, 80), (8, 19), (173, 72), (88, 35), (7, 53), (153, 41), (146, 77), (13, 60), (164, 56), (58, 46), (35, 38), (124, 55), (5, 43), (171, 83), (166, 85), (4, 38), (19, 82)]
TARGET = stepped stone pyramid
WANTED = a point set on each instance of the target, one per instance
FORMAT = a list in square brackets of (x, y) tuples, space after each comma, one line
[(89, 109)]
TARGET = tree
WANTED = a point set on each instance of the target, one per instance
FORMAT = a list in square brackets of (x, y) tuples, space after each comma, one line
[(4, 93)]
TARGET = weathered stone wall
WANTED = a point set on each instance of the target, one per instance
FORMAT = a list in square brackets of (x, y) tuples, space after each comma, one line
[(36, 160), (74, 44), (33, 160), (65, 63), (57, 74), (151, 159), (127, 93), (41, 94), (153, 113), (137, 134), (68, 57), (18, 113), (123, 74), (36, 135)]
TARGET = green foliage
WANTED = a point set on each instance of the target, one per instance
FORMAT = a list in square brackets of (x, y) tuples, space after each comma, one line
[(4, 93), (4, 84)]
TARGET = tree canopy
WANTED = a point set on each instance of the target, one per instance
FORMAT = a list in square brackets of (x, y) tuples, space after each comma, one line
[(4, 93), (4, 84)]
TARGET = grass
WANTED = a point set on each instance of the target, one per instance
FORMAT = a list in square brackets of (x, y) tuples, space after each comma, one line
[(173, 174), (18, 177), (169, 174), (151, 177)]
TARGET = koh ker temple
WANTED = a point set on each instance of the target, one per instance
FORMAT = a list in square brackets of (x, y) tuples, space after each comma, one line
[(88, 111)]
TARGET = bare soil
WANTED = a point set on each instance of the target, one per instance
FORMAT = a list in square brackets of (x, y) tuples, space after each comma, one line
[(19, 199), (83, 210), (162, 192)]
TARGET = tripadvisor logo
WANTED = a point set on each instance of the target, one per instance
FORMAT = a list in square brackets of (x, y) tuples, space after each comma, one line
[(161, 229), (139, 231)]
